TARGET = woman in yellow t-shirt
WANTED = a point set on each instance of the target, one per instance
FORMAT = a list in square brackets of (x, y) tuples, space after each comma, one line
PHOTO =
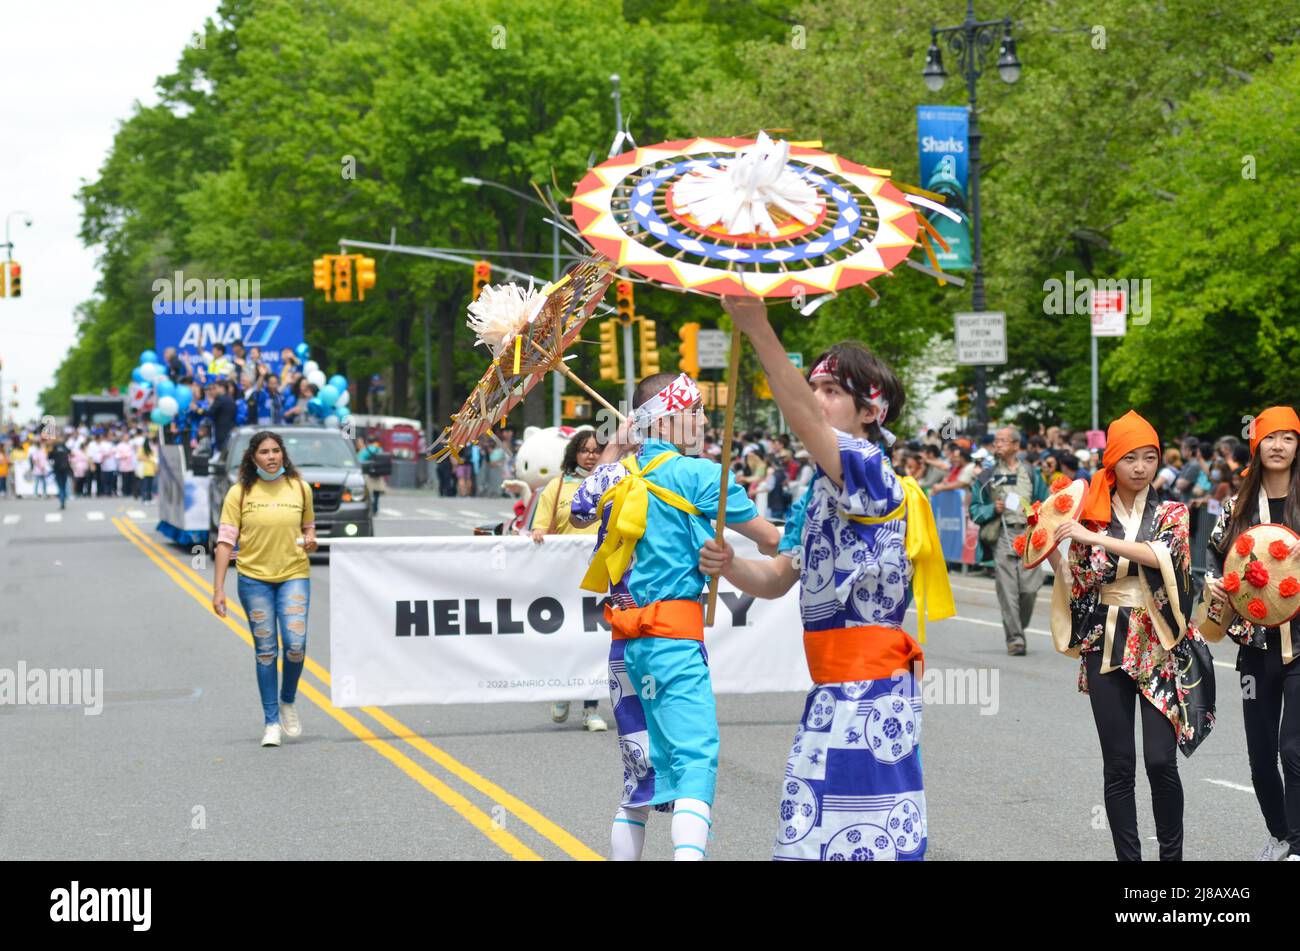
[(268, 513), (551, 517)]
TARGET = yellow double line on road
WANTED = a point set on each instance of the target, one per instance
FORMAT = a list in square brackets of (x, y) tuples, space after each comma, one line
[(194, 584)]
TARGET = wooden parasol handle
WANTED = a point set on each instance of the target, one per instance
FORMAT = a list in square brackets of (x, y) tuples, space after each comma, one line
[(733, 371)]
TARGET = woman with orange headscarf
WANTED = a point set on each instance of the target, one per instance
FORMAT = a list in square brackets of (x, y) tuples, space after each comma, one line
[(1266, 656), (1121, 605)]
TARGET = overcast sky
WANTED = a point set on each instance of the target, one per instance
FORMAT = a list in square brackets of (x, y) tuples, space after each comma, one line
[(71, 71)]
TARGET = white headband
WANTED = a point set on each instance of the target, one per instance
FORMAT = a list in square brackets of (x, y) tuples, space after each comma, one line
[(673, 398)]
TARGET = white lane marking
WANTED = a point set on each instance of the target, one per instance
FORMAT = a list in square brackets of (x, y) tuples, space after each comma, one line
[(99, 516), (440, 515), (53, 516), (12, 519), (393, 513), (137, 513), (1237, 786)]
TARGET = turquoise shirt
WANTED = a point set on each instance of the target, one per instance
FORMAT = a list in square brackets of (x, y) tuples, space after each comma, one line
[(665, 566)]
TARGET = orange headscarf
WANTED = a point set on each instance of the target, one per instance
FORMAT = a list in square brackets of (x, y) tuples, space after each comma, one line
[(1125, 434), (1272, 420)]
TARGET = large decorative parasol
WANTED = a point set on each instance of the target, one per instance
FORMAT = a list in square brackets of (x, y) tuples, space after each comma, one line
[(528, 332), (751, 217)]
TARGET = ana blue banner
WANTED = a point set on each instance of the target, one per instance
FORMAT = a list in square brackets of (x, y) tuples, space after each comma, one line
[(941, 133), (950, 518), (192, 327)]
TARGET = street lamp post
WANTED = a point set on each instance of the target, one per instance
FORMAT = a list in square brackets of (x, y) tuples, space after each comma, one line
[(557, 378), (970, 41)]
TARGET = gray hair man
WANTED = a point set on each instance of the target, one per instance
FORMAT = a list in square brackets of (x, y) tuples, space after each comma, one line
[(999, 497)]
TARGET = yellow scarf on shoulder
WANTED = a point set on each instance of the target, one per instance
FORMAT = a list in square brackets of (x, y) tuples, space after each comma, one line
[(921, 541), (630, 499)]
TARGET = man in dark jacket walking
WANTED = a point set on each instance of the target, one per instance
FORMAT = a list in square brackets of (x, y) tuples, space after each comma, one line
[(221, 412), (61, 466)]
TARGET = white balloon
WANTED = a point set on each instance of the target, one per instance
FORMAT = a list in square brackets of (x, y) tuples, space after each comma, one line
[(310, 367), (316, 378), (343, 399), (150, 370), (331, 420), (169, 405)]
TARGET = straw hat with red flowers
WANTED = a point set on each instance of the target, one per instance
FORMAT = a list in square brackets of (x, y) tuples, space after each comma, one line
[(1063, 505), (1261, 577)]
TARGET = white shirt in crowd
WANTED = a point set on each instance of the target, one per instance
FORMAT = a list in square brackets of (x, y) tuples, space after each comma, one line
[(125, 456), (108, 463)]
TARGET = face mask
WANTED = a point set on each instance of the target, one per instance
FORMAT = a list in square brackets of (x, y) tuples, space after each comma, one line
[(270, 476), (582, 471)]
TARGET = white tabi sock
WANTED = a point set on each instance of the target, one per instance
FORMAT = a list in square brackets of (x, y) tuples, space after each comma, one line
[(692, 820), (628, 833)]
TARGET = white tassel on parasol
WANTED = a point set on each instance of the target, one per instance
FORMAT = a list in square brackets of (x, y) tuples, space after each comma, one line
[(741, 194), (501, 312)]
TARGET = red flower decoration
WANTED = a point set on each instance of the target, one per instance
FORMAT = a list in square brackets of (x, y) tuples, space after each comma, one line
[(1063, 503), (1019, 544), (1288, 587), (1279, 549), (1257, 574), (1231, 583), (1060, 482), (1257, 609), (1039, 538), (1244, 544)]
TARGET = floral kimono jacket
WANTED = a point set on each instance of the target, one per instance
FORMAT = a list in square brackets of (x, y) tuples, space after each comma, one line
[(1138, 616), (1240, 630)]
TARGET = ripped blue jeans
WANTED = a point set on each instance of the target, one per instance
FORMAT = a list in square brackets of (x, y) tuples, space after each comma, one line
[(270, 605)]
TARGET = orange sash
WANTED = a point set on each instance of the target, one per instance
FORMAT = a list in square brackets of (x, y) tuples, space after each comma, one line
[(680, 619), (870, 652)]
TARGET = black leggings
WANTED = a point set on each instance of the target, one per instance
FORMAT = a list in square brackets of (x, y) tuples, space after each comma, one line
[(1112, 697), (1270, 704)]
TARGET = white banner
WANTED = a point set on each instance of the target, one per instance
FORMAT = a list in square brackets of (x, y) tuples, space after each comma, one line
[(182, 496), (492, 620)]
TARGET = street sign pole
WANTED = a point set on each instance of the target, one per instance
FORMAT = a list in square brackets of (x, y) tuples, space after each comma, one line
[(1094, 382)]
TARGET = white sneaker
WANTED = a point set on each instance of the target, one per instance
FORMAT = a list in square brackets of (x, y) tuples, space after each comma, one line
[(289, 720), (1274, 850), (272, 735), (559, 712), (593, 722)]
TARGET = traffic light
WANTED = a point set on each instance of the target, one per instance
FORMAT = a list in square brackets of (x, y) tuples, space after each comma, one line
[(689, 362), (626, 307), (342, 278), (482, 275), (15, 279), (649, 348), (320, 276), (365, 275), (609, 351)]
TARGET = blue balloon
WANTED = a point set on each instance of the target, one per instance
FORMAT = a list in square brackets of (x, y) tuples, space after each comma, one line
[(165, 387), (342, 412), (328, 395), (148, 356), (339, 382), (137, 376), (316, 407), (159, 417), (183, 396), (146, 386), (302, 351)]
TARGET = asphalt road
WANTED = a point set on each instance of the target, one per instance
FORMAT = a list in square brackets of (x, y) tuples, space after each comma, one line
[(171, 767)]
